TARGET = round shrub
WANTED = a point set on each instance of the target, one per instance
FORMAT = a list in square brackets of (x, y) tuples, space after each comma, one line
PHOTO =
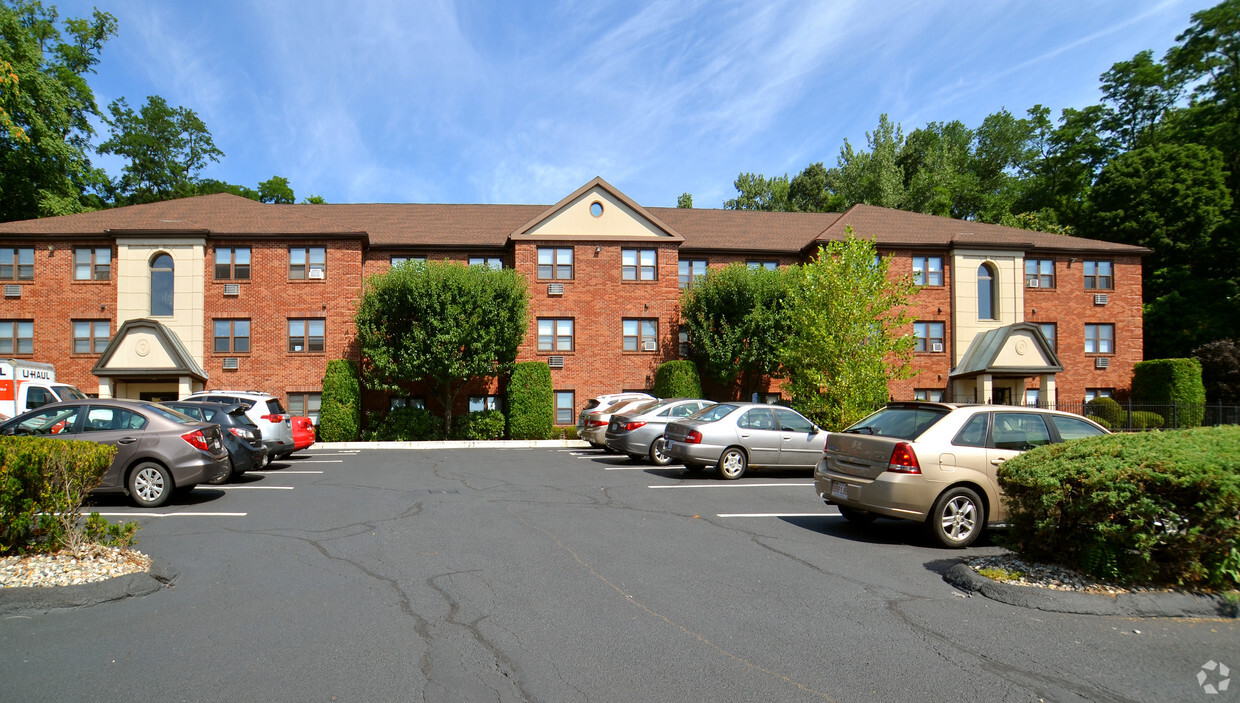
[(1144, 420), (1101, 421), (487, 424), (1107, 409), (531, 403), (677, 379), (1159, 508), (406, 425)]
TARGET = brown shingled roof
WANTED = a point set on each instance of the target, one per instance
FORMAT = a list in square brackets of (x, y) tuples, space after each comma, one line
[(420, 224)]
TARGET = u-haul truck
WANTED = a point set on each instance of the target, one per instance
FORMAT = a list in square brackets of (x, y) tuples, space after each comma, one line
[(25, 385)]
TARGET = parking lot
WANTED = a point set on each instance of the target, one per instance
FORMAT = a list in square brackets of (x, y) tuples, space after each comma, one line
[(567, 575)]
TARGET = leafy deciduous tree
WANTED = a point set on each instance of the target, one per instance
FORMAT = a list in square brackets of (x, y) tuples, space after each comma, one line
[(276, 190), (166, 147)]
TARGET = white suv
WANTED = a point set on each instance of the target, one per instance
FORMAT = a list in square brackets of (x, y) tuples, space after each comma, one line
[(264, 410)]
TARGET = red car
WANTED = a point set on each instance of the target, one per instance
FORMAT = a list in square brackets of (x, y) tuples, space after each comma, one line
[(303, 433)]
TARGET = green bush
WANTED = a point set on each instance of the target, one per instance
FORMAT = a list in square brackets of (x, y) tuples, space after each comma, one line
[(568, 432), (1160, 508), (487, 424), (531, 401), (43, 482), (340, 409), (1143, 420), (1101, 421), (677, 379), (405, 425), (1107, 409), (1171, 382)]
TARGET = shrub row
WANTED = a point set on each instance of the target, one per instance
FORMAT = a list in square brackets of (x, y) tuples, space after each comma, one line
[(43, 482), (419, 425), (1111, 415), (1153, 508)]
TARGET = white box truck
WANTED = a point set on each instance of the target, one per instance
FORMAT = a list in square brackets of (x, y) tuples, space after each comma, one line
[(25, 385)]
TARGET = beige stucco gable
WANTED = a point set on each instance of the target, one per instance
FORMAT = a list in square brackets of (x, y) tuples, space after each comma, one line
[(141, 349), (1021, 351), (596, 211)]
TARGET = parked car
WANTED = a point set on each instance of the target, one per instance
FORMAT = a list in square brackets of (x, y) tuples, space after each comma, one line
[(242, 438), (935, 463), (597, 420), (640, 434), (737, 436), (264, 410), (303, 432), (601, 403), (158, 449)]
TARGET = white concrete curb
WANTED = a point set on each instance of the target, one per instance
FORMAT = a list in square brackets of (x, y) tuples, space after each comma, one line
[(461, 444)]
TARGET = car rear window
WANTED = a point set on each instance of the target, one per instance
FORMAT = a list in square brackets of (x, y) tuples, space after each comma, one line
[(274, 407), (902, 423), (714, 412), (164, 411)]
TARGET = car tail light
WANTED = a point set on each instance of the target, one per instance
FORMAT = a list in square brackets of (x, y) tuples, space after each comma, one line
[(273, 418), (596, 423), (903, 460), (242, 432), (694, 437), (633, 425), (196, 438)]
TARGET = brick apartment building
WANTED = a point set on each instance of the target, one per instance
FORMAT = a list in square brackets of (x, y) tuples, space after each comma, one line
[(160, 300)]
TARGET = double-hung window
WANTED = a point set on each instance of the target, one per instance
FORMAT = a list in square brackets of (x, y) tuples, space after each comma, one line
[(639, 265), (398, 260), (1099, 275), (641, 335), (555, 263), (929, 336), (232, 263), (1048, 331), (555, 334), (91, 336), (1099, 339), (763, 264), (564, 406), (691, 270), (16, 264), (1039, 273), (479, 403), (16, 336), (305, 405), (491, 262), (92, 264), (307, 262), (306, 335), (928, 270), (231, 336)]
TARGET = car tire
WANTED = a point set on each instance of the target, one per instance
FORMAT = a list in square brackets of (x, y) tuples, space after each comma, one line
[(225, 477), (732, 463), (657, 457), (150, 485), (855, 516), (957, 518)]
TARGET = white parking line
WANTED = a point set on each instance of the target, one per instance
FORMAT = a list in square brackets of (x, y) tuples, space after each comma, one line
[(318, 461), (642, 468), (251, 488), (329, 453), (775, 514), (186, 514), (728, 485), (284, 471)]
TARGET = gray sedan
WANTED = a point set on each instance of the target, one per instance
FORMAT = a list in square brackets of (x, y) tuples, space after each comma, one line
[(157, 449), (735, 436), (639, 432)]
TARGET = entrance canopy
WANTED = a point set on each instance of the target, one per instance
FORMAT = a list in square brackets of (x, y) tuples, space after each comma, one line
[(144, 357), (1015, 350)]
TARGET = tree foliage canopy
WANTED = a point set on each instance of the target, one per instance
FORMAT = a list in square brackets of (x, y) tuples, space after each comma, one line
[(443, 323)]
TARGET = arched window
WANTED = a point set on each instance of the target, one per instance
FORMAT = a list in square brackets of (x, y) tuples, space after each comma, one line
[(161, 285), (987, 302)]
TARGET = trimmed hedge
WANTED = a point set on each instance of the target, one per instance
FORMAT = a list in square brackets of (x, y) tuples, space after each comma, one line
[(43, 482), (485, 424), (340, 407), (1107, 409), (1143, 420), (1159, 508), (1168, 382), (677, 379), (531, 401), (405, 425)]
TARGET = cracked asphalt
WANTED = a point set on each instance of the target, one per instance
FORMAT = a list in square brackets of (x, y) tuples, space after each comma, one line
[(541, 575)]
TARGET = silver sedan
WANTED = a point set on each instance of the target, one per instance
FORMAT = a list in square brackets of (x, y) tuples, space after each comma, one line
[(640, 434), (736, 436)]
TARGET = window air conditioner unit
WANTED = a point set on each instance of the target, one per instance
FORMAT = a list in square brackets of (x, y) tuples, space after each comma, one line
[(555, 289), (1100, 298), (12, 291), (316, 273), (1032, 283), (555, 362), (650, 346), (232, 289), (1102, 362), (936, 347), (231, 363)]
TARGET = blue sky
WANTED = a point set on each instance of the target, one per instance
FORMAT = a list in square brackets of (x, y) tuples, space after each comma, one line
[(522, 102)]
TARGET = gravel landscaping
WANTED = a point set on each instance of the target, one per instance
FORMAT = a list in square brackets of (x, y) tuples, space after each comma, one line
[(68, 569)]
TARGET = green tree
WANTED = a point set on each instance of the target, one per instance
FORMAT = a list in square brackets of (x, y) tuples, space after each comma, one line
[(1137, 94), (874, 177), (736, 321), (314, 200), (166, 147), (811, 191), (210, 186), (935, 161), (442, 323), (756, 192), (340, 408), (685, 201), (845, 342), (276, 190), (47, 104)]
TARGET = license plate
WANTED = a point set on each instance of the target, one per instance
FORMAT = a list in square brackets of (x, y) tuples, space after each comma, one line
[(667, 444), (839, 490)]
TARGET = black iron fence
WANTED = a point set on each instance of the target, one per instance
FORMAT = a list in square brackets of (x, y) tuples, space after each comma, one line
[(1131, 416)]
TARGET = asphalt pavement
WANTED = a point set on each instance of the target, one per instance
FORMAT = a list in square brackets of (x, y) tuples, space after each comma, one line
[(545, 574)]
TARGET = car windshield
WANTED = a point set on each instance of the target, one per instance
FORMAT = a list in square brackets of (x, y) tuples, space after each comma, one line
[(165, 411), (646, 406), (901, 422), (71, 393), (713, 412)]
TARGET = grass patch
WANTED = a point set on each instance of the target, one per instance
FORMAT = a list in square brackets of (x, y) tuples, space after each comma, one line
[(995, 573)]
